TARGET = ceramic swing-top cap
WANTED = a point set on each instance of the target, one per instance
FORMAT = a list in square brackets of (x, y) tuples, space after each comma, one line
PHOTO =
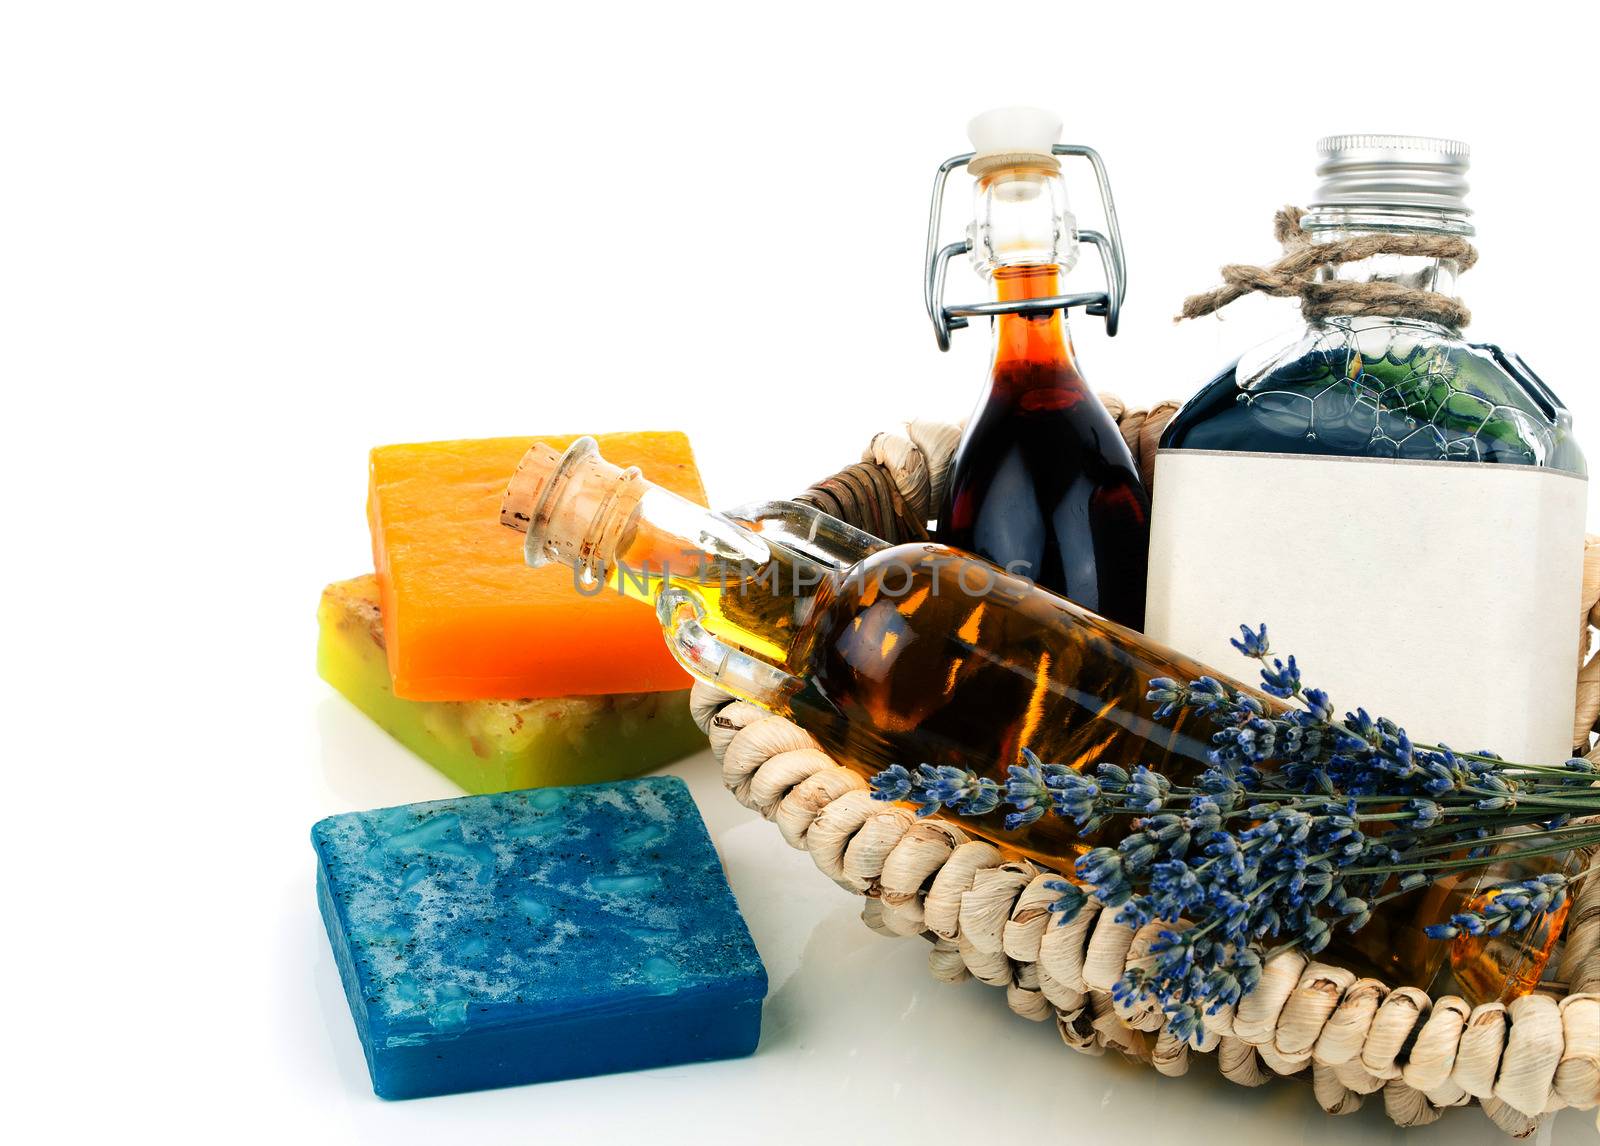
[(1008, 136)]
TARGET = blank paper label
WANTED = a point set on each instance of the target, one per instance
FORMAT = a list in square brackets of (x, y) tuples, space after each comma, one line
[(1442, 595)]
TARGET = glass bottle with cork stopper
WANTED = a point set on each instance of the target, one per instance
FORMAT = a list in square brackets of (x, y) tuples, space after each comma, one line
[(915, 652), (1042, 483), (886, 654)]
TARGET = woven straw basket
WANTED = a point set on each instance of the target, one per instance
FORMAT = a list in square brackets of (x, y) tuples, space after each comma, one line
[(987, 916)]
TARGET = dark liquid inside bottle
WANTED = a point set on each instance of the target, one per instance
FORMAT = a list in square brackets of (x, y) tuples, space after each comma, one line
[(1043, 484), (1420, 399)]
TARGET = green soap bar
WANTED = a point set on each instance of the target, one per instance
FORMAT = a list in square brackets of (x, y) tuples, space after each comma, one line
[(498, 745)]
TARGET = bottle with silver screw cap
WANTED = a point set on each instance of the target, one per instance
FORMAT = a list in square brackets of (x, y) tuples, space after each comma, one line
[(1403, 507)]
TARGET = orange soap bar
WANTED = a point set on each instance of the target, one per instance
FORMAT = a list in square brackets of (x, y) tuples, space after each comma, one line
[(464, 618)]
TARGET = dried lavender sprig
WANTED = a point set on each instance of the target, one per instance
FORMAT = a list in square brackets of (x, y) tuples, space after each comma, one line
[(1510, 907), (1304, 865), (933, 787)]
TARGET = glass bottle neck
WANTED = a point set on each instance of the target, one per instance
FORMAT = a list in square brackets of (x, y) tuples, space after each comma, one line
[(1333, 224), (671, 553), (1020, 217), (731, 602), (1034, 367), (1024, 238), (1030, 337)]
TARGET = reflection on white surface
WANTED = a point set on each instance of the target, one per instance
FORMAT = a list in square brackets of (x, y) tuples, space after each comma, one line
[(857, 1039)]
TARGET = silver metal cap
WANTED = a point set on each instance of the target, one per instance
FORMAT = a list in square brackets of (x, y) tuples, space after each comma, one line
[(1392, 172)]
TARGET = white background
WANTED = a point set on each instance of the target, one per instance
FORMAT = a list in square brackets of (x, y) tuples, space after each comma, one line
[(242, 243)]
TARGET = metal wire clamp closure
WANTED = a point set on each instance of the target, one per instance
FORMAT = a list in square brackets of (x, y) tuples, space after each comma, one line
[(1106, 304)]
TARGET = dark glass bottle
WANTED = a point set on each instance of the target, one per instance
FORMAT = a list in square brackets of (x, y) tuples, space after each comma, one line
[(1431, 504), (1042, 483), (1458, 463)]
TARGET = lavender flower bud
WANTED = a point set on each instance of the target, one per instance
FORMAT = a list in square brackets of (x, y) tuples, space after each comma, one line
[(1252, 644)]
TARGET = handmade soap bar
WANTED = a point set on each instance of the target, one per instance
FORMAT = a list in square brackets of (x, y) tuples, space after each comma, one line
[(465, 617), (497, 745), (528, 936)]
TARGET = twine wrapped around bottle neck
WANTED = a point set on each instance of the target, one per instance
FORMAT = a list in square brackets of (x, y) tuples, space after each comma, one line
[(1295, 275)]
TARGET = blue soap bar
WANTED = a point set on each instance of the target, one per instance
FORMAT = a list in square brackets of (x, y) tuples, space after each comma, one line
[(528, 936)]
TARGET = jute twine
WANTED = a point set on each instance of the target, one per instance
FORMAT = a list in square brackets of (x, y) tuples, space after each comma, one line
[(987, 916), (1298, 275)]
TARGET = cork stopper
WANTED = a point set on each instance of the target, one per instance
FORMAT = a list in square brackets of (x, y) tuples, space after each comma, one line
[(573, 506)]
